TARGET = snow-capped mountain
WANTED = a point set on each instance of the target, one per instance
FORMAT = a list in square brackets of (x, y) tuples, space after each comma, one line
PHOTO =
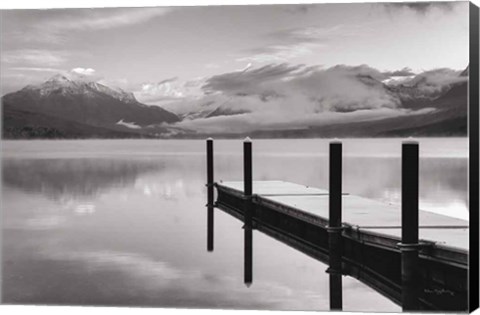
[(83, 102), (62, 84)]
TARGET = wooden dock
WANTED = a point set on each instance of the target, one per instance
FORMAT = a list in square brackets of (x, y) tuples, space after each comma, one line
[(360, 214), (417, 259)]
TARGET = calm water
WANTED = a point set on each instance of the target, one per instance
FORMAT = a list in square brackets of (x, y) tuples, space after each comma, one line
[(123, 222)]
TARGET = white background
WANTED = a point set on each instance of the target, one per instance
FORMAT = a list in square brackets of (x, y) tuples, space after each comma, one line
[(62, 310)]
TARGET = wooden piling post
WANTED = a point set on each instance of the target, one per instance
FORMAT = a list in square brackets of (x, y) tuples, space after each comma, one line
[(248, 210), (335, 225), (409, 246), (247, 166), (335, 185), (210, 195)]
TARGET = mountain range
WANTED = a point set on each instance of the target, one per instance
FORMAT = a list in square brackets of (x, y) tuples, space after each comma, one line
[(270, 101), (66, 108)]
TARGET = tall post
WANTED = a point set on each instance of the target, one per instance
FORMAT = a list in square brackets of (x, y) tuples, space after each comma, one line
[(335, 185), (409, 245), (210, 201), (248, 209), (335, 225)]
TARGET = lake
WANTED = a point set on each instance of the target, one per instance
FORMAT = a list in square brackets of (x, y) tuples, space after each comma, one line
[(123, 222)]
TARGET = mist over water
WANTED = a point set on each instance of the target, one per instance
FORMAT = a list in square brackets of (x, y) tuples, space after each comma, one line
[(123, 222)]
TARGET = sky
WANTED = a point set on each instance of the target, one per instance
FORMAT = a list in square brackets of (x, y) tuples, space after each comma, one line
[(136, 48)]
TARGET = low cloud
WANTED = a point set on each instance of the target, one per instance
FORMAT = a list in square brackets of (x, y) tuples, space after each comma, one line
[(160, 91), (340, 88), (274, 120), (288, 97), (84, 71), (283, 96), (171, 89), (86, 74), (405, 72)]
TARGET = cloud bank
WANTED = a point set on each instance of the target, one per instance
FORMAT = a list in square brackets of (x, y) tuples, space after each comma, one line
[(284, 96), (340, 88)]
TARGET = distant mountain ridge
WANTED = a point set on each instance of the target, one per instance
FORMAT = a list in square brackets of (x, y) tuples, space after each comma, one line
[(63, 107)]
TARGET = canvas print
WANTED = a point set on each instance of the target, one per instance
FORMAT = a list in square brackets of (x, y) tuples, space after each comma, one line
[(267, 157)]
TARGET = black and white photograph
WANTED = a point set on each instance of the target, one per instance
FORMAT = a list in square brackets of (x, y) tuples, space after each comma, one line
[(285, 157)]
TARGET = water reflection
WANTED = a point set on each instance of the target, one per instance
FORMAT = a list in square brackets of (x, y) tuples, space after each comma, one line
[(334, 279), (210, 229), (336, 294), (129, 228), (248, 253), (73, 178), (138, 243)]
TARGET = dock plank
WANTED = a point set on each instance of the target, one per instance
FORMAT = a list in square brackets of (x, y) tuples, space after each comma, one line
[(276, 187), (361, 212)]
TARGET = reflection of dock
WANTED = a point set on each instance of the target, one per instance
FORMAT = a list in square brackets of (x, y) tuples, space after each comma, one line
[(416, 258)]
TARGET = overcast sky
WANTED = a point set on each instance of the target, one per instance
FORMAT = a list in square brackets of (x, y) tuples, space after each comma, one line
[(130, 47)]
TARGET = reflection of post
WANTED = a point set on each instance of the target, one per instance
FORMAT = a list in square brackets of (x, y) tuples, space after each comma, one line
[(210, 194), (409, 246), (335, 291), (247, 191), (335, 225)]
